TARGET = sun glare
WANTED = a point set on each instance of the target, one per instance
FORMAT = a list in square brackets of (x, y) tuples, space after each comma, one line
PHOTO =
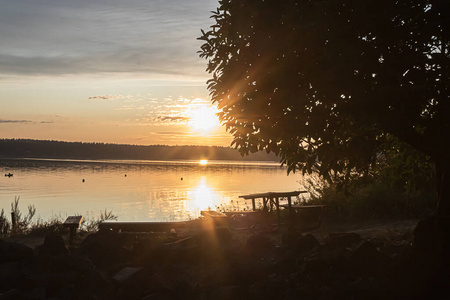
[(204, 119), (203, 196), (203, 162)]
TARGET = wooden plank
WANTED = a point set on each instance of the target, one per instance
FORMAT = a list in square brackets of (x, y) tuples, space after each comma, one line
[(302, 206), (272, 194), (242, 212), (140, 226), (212, 214)]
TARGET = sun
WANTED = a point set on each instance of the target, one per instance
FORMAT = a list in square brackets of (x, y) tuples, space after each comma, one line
[(204, 119)]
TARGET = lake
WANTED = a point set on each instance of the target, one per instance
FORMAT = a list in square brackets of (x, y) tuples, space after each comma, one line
[(137, 190)]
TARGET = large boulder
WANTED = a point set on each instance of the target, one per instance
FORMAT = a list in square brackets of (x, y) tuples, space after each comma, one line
[(53, 245), (105, 251), (304, 243), (429, 238), (14, 252), (11, 276)]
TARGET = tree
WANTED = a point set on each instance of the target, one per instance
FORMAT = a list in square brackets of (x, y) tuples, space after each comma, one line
[(324, 84)]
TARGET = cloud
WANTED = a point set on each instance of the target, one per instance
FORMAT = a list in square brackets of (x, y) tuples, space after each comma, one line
[(162, 120), (108, 97), (103, 36), (15, 121), (173, 133), (172, 119), (130, 107), (2, 121)]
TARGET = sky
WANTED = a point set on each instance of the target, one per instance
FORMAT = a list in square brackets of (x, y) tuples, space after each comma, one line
[(109, 71)]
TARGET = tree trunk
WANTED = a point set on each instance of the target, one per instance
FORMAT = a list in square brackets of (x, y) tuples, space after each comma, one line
[(443, 207), (443, 195)]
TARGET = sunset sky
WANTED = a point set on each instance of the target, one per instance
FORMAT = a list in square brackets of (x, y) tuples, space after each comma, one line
[(109, 71)]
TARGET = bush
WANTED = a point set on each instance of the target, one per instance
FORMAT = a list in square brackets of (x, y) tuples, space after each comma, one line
[(399, 184), (371, 200)]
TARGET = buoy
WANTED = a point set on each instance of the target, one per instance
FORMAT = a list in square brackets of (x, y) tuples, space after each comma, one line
[(83, 180), (125, 175), (181, 178)]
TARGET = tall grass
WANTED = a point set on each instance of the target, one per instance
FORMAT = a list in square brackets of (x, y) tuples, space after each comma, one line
[(23, 224), (399, 184), (370, 200), (20, 223), (92, 225)]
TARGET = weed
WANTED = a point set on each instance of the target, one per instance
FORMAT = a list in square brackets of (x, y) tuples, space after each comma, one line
[(23, 224), (92, 225), (19, 223), (5, 225)]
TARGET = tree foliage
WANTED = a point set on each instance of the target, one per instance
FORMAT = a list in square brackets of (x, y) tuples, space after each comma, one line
[(327, 84)]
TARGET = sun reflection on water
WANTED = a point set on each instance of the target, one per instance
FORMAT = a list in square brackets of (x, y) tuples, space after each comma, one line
[(202, 196)]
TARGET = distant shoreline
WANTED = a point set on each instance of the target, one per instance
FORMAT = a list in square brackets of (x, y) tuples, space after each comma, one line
[(141, 161), (42, 149)]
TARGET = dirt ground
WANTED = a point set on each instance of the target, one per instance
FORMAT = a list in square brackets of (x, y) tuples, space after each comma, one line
[(396, 232), (391, 230)]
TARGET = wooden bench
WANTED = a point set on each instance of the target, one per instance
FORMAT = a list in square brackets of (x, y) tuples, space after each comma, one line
[(73, 223)]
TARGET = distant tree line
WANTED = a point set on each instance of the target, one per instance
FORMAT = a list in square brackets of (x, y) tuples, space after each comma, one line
[(25, 148)]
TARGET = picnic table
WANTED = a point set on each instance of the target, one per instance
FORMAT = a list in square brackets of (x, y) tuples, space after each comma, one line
[(271, 203), (271, 200)]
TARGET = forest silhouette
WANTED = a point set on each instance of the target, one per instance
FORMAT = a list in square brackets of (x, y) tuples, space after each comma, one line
[(23, 148)]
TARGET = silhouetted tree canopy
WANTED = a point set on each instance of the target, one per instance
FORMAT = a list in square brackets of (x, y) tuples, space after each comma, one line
[(323, 84)]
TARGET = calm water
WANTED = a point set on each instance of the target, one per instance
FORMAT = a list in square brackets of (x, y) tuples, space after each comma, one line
[(137, 190)]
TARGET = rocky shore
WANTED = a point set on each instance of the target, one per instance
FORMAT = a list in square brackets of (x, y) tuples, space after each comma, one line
[(216, 263)]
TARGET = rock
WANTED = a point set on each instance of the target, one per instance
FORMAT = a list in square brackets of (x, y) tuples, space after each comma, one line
[(367, 259), (11, 276), (160, 283), (63, 263), (242, 272), (365, 251), (37, 294), (54, 281), (53, 245), (343, 240), (212, 244), (228, 292), (269, 288), (217, 238), (305, 243), (104, 250), (13, 294), (429, 238), (258, 244), (132, 277), (74, 263), (161, 295), (10, 252), (96, 284)]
